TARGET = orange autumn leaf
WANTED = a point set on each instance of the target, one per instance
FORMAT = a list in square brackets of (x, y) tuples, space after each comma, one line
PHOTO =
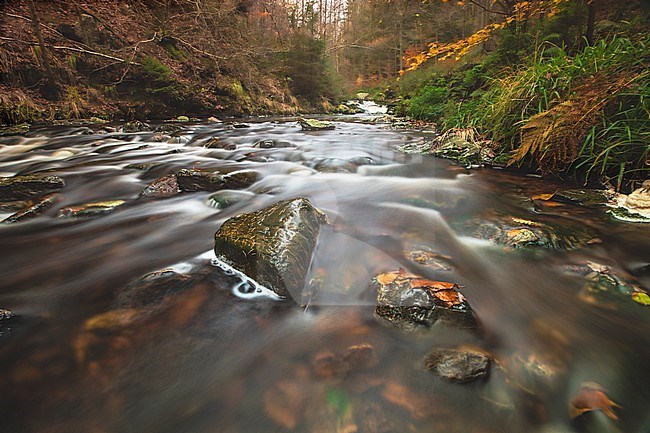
[(435, 285), (590, 397), (450, 297), (543, 197)]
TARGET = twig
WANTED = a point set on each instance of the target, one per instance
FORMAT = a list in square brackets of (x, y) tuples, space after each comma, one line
[(78, 50)]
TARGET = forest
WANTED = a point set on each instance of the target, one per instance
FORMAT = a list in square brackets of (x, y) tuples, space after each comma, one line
[(562, 85)]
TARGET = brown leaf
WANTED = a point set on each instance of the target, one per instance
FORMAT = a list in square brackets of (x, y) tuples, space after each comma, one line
[(284, 404), (434, 285), (416, 405), (590, 397)]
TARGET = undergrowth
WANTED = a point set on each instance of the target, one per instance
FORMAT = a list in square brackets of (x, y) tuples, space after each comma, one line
[(585, 113)]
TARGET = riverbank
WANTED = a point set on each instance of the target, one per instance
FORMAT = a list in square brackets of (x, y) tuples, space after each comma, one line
[(117, 60), (546, 99)]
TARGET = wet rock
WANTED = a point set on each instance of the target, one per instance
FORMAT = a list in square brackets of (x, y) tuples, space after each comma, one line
[(273, 245), (430, 259), (584, 197), (240, 125), (523, 233), (463, 146), (610, 288), (166, 186), (177, 138), (239, 179), (213, 119), (216, 143), (272, 144), (28, 186), (145, 166), (410, 302), (151, 290), (167, 128), (32, 211), (460, 366), (335, 165), (225, 198), (8, 321), (191, 180), (181, 119), (13, 206), (315, 125), (91, 209), (623, 214), (355, 358), (135, 126)]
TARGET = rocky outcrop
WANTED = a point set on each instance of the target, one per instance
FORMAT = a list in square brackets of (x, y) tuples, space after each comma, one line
[(27, 187), (410, 302), (273, 245)]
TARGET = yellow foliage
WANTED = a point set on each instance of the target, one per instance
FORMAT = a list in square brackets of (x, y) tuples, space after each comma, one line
[(521, 11)]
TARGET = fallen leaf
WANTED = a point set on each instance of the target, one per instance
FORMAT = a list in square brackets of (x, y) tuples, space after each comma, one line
[(435, 285), (590, 397), (449, 297), (641, 297), (543, 197), (416, 405)]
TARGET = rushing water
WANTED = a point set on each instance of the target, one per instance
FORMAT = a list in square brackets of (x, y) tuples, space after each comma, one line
[(88, 354)]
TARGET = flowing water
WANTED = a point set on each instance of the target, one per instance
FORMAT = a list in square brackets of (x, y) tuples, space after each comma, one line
[(90, 352)]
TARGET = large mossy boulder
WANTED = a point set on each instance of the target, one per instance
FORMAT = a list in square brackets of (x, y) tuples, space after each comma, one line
[(27, 187), (273, 245), (410, 302)]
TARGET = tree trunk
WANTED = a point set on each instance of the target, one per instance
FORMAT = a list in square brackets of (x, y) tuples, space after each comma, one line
[(52, 89), (591, 22)]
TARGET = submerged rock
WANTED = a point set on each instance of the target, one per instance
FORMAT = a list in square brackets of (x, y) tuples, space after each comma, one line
[(410, 301), (7, 321), (273, 245), (335, 165), (523, 233), (32, 211), (202, 180), (315, 125), (460, 366), (225, 198), (584, 197), (28, 186), (609, 288), (166, 186), (91, 209), (216, 143), (167, 128), (272, 144), (191, 180)]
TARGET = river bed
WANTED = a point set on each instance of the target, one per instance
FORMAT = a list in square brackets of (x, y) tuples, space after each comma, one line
[(87, 352)]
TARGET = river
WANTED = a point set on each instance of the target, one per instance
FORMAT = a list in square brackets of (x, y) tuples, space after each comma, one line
[(89, 353)]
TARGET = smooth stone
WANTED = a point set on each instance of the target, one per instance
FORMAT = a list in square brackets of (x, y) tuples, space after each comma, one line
[(225, 198), (459, 366)]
